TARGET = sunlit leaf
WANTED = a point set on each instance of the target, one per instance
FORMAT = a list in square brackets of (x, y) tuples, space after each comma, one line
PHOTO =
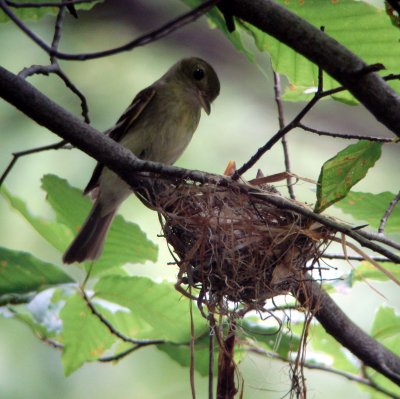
[(344, 170), (160, 305), (85, 336), (21, 272), (368, 207)]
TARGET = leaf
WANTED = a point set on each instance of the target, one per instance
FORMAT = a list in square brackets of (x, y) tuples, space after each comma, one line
[(125, 242), (386, 326), (181, 354), (323, 343), (344, 170), (159, 305), (361, 27), (370, 208), (54, 233), (35, 13), (85, 336), (21, 272), (280, 342), (386, 329), (217, 20), (366, 270)]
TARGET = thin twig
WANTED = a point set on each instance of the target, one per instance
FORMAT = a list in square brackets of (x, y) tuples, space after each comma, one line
[(388, 212), (281, 132), (150, 37), (17, 155), (116, 332), (354, 257), (313, 366), (348, 136), (281, 119), (369, 235), (119, 356)]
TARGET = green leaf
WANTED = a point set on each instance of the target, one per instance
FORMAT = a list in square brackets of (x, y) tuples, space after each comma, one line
[(125, 241), (21, 272), (344, 170), (54, 233), (386, 329), (345, 21), (217, 20), (370, 208), (85, 336), (366, 270), (181, 354), (278, 341), (32, 13), (386, 326), (324, 343), (159, 305), (361, 27)]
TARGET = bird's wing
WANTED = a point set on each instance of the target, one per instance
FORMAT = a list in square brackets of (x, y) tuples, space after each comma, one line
[(122, 126)]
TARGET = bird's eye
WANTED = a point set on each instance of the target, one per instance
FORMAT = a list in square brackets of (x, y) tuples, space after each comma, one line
[(198, 73)]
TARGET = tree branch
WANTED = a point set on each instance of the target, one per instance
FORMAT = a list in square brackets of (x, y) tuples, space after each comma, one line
[(337, 324), (314, 366), (388, 212), (45, 112), (348, 69), (152, 36)]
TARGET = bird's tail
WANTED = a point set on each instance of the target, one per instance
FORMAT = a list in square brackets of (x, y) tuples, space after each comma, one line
[(88, 244)]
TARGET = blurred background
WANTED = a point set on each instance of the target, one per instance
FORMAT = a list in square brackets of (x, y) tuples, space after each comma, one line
[(242, 119)]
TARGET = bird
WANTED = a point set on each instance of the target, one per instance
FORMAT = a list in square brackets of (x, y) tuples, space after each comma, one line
[(157, 126)]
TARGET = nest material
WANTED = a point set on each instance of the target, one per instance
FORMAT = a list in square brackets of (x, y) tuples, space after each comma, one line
[(235, 246)]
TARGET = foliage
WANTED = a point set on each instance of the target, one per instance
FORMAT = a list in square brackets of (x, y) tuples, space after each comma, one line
[(344, 20), (142, 309), (36, 13), (343, 171)]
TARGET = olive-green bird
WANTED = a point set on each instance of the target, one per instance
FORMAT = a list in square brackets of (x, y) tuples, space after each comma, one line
[(157, 126)]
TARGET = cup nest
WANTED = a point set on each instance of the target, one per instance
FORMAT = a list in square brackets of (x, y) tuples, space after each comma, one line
[(235, 247)]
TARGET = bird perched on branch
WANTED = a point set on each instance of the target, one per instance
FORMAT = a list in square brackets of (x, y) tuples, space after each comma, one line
[(157, 126)]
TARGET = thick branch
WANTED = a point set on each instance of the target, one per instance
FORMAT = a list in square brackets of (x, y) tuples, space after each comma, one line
[(352, 72), (42, 110), (337, 324)]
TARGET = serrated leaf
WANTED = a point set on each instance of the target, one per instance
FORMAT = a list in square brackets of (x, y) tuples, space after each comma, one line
[(366, 270), (160, 305), (125, 242), (21, 272), (54, 233), (85, 336), (35, 13), (344, 170), (370, 208)]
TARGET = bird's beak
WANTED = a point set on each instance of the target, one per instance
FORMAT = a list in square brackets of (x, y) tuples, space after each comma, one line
[(204, 101)]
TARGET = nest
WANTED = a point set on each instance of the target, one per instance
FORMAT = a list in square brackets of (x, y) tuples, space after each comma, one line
[(235, 247)]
